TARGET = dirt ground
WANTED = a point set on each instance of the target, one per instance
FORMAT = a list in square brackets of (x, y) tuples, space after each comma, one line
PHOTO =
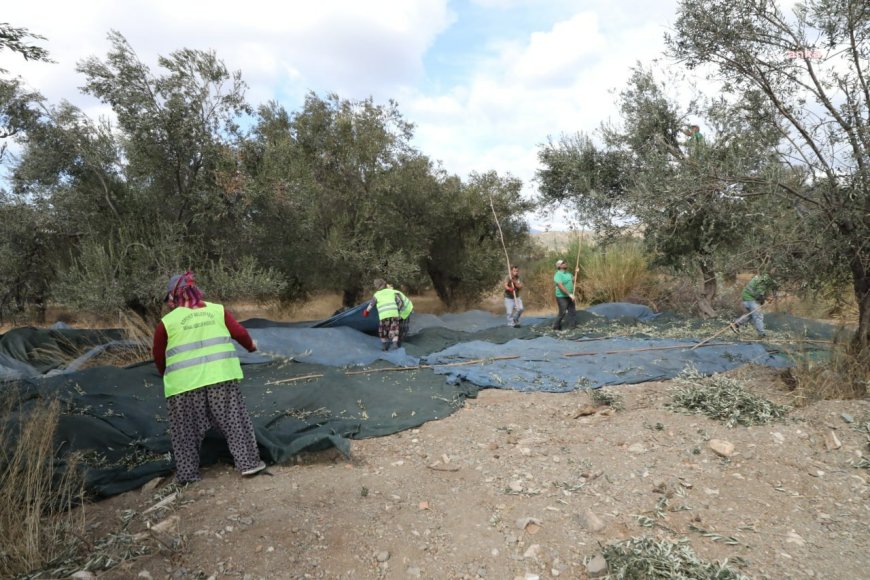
[(529, 485)]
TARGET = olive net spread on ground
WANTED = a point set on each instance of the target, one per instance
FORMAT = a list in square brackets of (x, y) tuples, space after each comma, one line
[(319, 385)]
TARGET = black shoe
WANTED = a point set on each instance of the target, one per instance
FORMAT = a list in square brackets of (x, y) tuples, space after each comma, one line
[(385, 346)]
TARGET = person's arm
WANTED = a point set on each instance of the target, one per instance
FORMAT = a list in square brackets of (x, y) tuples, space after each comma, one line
[(564, 290), (239, 332), (158, 349), (508, 284), (518, 284)]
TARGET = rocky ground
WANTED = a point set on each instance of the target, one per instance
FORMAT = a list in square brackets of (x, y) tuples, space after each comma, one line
[(528, 485)]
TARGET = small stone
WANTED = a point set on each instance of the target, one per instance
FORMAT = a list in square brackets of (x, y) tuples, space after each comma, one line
[(167, 526), (597, 567), (382, 556), (847, 417), (721, 447), (832, 442), (523, 523), (151, 485), (637, 448), (591, 522), (83, 575), (532, 552), (413, 571), (793, 538), (144, 574)]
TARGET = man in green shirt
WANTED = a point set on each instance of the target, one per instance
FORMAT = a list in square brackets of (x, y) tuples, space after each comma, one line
[(754, 295), (564, 283)]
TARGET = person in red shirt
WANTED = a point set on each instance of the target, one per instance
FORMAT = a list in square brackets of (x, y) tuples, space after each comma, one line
[(513, 304), (201, 381)]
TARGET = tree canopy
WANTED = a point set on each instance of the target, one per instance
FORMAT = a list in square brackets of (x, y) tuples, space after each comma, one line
[(807, 72), (328, 197), (779, 182)]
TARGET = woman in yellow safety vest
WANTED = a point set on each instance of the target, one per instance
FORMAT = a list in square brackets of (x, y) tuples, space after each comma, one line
[(387, 301), (195, 355)]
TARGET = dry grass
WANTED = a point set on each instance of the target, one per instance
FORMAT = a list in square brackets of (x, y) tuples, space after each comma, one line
[(611, 275), (135, 329), (37, 525), (845, 375)]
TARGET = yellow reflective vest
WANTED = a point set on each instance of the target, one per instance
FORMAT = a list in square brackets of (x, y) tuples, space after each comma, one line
[(385, 300), (408, 307), (199, 349)]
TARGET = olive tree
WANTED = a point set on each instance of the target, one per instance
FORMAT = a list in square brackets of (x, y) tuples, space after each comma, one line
[(808, 72)]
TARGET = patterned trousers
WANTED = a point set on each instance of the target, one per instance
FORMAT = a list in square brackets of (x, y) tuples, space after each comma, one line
[(193, 413)]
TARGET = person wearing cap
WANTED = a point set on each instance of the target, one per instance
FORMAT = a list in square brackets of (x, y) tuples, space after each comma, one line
[(194, 353), (564, 283), (390, 306)]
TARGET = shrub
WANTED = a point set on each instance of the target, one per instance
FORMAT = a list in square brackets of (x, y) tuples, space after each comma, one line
[(845, 374), (610, 273)]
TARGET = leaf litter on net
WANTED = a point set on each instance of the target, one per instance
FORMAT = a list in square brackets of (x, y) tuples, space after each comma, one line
[(642, 558), (722, 398)]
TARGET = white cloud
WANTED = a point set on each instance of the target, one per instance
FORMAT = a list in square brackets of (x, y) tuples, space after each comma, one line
[(556, 56), (501, 115)]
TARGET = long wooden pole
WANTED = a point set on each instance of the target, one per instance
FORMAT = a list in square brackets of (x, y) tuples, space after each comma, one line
[(456, 364), (576, 270), (706, 340), (504, 247)]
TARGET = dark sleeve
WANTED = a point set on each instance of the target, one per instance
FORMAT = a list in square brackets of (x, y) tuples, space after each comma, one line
[(239, 332), (158, 350)]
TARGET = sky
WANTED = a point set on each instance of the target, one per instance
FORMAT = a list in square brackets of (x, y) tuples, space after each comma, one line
[(485, 82)]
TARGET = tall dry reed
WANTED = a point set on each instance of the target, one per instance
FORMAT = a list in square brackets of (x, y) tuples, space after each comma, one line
[(38, 526)]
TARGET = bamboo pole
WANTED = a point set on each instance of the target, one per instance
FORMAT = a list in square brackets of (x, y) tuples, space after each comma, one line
[(576, 270), (507, 257), (728, 326), (628, 350), (293, 379), (456, 364)]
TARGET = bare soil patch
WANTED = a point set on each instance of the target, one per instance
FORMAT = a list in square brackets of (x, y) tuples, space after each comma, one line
[(531, 485)]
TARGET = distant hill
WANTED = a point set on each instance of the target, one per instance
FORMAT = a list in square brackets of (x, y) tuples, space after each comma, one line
[(558, 241)]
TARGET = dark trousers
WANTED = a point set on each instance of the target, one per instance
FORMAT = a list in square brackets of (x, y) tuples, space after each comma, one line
[(567, 312)]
